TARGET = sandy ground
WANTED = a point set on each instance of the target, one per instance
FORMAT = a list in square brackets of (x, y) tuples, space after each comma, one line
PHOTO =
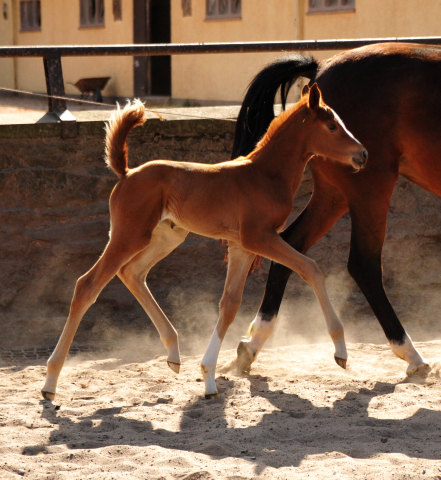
[(296, 415)]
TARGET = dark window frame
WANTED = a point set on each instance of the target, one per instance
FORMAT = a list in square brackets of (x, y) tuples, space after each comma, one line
[(30, 16), (330, 6), (223, 10), (92, 14)]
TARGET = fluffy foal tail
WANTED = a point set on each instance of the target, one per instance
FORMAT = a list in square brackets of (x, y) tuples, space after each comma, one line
[(117, 129)]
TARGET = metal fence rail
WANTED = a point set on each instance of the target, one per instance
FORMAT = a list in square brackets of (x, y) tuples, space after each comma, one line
[(54, 73)]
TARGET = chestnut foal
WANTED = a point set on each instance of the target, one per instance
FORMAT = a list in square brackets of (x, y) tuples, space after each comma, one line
[(245, 201)]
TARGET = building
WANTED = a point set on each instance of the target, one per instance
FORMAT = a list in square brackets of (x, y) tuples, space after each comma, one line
[(215, 78)]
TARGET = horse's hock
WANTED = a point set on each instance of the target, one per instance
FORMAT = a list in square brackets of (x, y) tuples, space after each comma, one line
[(55, 223)]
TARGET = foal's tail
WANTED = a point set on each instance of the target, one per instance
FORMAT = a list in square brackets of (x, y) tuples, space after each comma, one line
[(257, 109), (117, 129)]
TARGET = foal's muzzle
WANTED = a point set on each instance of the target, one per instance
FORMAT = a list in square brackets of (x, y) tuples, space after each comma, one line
[(361, 161)]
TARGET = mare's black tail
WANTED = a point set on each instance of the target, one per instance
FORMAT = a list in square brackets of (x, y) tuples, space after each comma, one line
[(257, 109)]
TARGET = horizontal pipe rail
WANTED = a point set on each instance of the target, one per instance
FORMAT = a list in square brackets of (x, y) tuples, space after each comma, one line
[(54, 72), (203, 48)]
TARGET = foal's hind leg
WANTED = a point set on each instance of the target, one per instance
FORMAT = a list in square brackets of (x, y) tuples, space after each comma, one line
[(325, 207), (166, 237), (239, 264), (87, 290)]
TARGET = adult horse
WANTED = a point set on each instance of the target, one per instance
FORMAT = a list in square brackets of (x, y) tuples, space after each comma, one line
[(389, 96)]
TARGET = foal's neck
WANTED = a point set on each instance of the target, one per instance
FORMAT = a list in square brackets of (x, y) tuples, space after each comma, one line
[(283, 150)]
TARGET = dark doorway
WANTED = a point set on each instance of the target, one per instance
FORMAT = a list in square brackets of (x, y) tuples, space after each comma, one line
[(151, 21)]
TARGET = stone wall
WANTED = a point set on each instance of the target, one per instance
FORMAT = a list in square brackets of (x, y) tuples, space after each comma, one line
[(54, 224)]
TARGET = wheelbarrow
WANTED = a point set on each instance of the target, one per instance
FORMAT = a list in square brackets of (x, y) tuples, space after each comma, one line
[(92, 86)]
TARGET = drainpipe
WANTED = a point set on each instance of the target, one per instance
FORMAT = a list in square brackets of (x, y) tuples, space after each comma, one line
[(299, 12), (299, 34)]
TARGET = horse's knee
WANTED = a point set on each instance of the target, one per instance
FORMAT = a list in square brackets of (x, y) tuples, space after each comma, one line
[(311, 272), (84, 290), (129, 274)]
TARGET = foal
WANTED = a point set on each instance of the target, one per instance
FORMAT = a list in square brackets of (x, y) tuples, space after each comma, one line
[(245, 201)]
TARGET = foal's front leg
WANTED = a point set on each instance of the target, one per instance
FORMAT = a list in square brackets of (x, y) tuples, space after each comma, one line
[(270, 245), (239, 264)]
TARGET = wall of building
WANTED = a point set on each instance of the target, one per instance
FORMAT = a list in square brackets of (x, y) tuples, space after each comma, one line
[(60, 25), (224, 77), (375, 19)]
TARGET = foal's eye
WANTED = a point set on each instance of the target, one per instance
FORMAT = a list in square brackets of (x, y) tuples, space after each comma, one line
[(332, 127)]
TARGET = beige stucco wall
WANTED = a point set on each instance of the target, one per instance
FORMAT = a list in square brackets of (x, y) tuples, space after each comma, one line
[(6, 38), (376, 19), (224, 77), (60, 22)]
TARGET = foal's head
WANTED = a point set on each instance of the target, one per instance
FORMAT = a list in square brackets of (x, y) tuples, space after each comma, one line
[(329, 137)]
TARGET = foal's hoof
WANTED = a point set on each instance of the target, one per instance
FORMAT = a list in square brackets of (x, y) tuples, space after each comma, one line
[(341, 362), (174, 366), (210, 396), (49, 396)]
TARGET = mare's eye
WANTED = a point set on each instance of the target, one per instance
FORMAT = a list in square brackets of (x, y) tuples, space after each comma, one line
[(332, 127)]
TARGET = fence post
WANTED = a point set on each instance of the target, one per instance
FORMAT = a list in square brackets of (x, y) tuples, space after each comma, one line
[(55, 86)]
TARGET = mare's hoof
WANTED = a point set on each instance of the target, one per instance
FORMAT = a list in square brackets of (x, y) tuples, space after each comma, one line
[(174, 366), (341, 362), (210, 396), (244, 359), (49, 396), (421, 371), (242, 363)]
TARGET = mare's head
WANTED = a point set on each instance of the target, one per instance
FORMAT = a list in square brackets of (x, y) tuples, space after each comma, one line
[(328, 136)]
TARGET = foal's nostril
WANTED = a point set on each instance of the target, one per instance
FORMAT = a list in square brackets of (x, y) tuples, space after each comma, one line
[(364, 154)]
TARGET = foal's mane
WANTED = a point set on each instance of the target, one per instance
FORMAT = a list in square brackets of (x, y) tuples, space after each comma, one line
[(277, 125)]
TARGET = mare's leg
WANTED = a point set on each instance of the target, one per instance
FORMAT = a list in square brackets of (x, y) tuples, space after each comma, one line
[(87, 290), (270, 245), (368, 214), (239, 264), (165, 238), (325, 207)]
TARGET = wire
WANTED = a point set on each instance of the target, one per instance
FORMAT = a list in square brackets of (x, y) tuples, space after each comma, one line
[(88, 102)]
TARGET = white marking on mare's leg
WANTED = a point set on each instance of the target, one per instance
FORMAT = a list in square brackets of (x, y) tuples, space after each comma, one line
[(208, 365), (407, 352)]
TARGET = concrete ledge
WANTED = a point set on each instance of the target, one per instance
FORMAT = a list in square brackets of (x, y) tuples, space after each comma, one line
[(36, 125)]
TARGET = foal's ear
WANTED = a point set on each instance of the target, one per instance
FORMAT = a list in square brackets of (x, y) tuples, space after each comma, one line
[(305, 90), (315, 96)]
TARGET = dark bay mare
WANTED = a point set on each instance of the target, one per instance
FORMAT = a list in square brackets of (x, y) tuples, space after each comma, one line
[(389, 97)]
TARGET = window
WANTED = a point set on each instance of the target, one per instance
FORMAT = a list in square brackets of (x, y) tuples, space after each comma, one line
[(325, 6), (117, 10), (223, 9), (30, 16), (92, 13)]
